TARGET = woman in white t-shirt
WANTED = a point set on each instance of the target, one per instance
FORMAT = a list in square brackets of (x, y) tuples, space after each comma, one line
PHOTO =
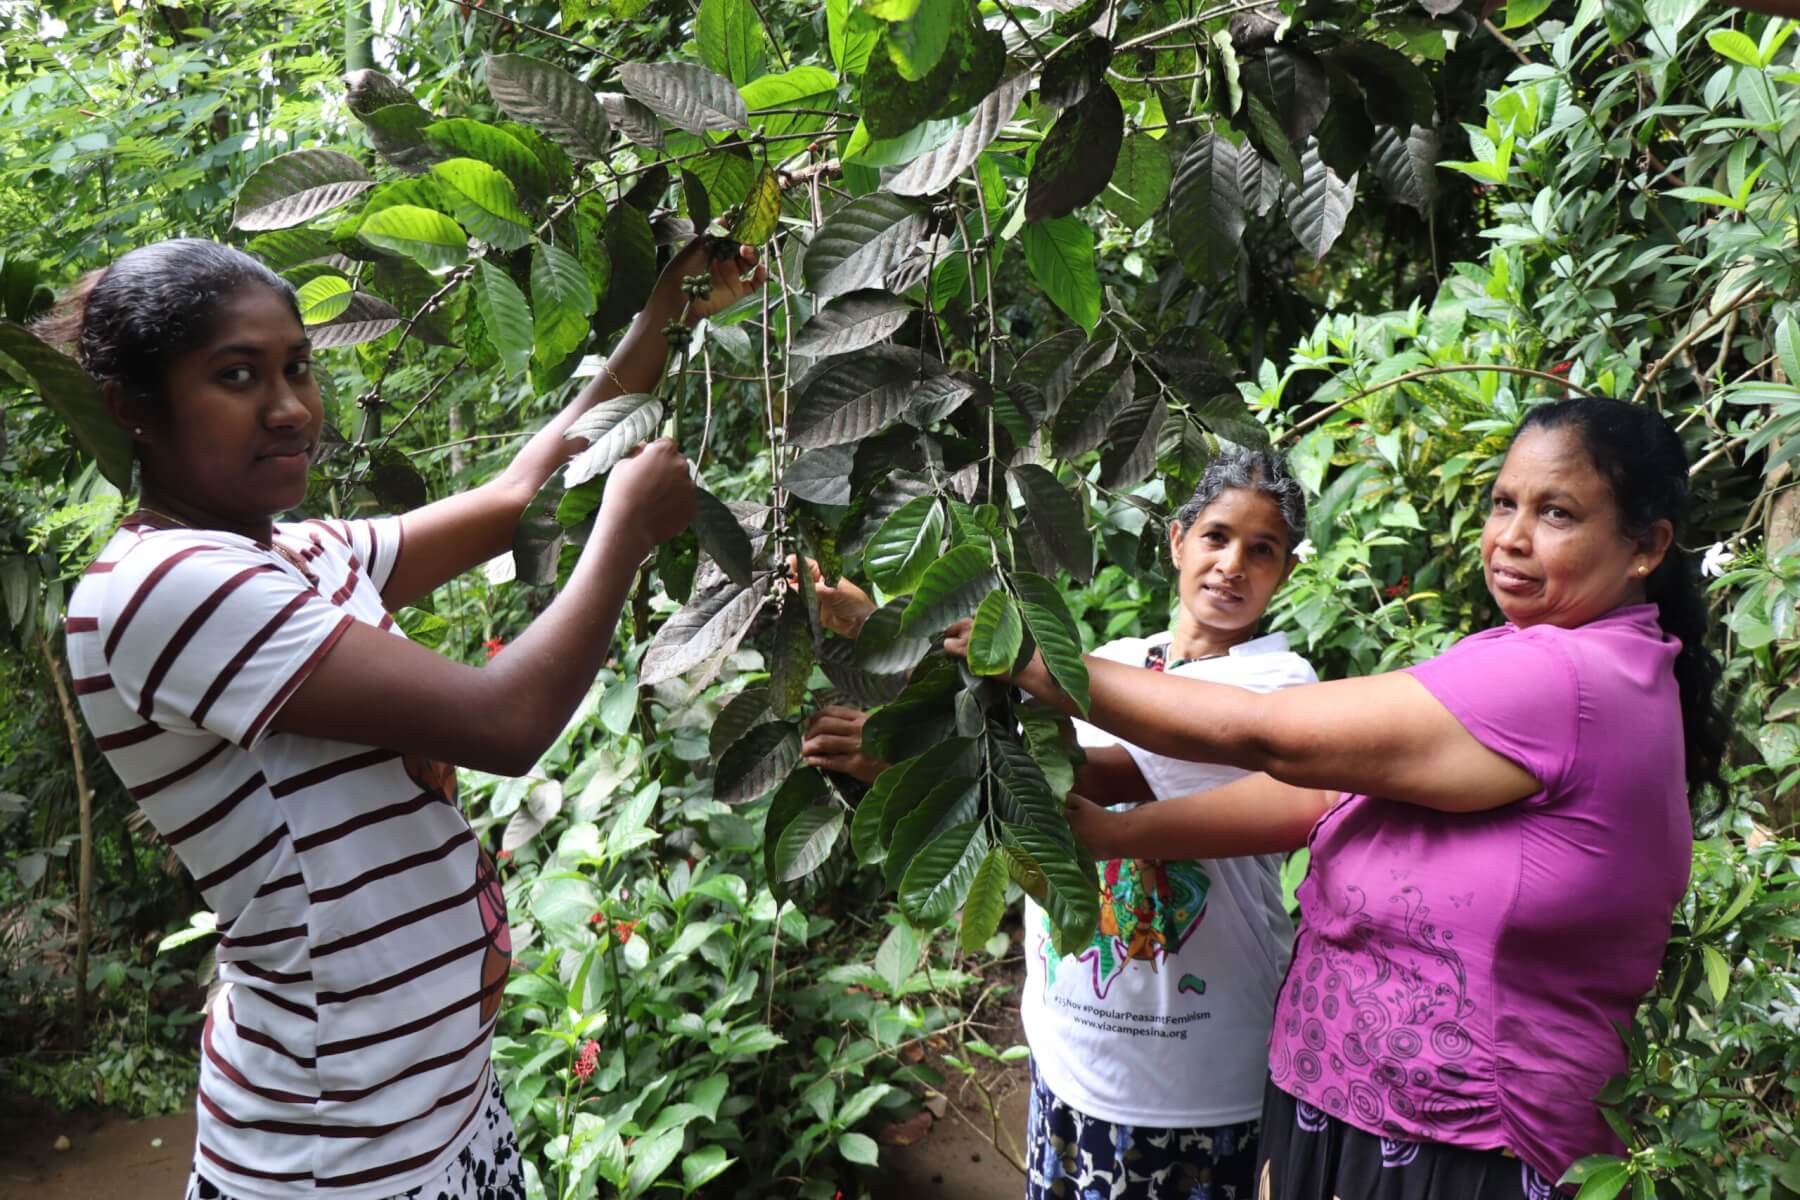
[(245, 680), (1149, 1048)]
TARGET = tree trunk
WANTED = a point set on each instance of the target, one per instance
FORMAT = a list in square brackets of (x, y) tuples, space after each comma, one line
[(84, 799)]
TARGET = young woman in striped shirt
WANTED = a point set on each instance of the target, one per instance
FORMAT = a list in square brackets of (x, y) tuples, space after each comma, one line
[(244, 678)]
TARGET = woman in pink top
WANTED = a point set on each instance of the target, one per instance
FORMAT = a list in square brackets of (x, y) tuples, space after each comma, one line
[(1499, 835)]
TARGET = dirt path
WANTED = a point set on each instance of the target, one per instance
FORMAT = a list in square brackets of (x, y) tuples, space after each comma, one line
[(115, 1158), (110, 1157)]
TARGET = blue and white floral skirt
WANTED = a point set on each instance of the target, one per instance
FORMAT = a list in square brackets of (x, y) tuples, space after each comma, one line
[(1308, 1154), (1072, 1156)]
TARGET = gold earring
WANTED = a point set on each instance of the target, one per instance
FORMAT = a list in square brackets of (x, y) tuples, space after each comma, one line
[(1642, 569)]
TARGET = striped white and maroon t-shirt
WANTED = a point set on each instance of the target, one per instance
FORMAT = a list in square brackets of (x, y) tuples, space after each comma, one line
[(364, 941)]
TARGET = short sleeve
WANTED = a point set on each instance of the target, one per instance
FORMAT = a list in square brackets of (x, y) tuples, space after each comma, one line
[(1516, 694), (203, 636), (374, 544)]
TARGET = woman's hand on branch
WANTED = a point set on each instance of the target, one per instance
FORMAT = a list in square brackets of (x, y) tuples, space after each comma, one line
[(649, 496), (843, 606), (1034, 677), (833, 741), (1093, 825), (730, 275)]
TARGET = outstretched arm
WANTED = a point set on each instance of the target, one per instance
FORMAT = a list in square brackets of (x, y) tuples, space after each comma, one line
[(443, 539), (1254, 815), (375, 689), (1384, 735)]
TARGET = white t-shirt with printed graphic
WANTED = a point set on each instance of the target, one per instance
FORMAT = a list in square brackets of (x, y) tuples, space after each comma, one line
[(365, 942), (1164, 1021)]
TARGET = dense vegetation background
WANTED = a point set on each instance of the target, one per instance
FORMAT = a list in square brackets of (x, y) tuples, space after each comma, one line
[(1030, 262)]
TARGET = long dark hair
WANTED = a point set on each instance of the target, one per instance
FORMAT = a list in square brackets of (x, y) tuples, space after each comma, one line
[(1640, 456), (126, 323)]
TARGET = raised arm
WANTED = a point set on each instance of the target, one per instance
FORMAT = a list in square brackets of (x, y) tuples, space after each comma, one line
[(443, 539), (375, 689), (1384, 735)]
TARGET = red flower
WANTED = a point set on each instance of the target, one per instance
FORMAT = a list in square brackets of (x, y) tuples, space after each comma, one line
[(597, 918), (494, 646), (587, 1060), (1399, 589), (1562, 368), (505, 856), (622, 930)]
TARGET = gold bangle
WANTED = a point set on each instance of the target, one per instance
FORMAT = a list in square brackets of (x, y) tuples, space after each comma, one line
[(613, 375)]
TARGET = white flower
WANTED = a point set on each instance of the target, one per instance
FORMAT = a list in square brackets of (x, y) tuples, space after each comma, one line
[(1305, 550), (1783, 1013), (1718, 556)]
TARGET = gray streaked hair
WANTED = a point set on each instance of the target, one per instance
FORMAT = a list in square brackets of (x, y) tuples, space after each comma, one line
[(1262, 471)]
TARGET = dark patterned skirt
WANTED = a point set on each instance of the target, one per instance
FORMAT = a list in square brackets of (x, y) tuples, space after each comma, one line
[(1072, 1156), (487, 1169), (1307, 1154)]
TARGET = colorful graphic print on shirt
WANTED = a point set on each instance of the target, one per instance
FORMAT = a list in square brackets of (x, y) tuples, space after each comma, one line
[(1148, 909)]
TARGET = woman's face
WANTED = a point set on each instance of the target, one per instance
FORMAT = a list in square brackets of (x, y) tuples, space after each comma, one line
[(1552, 549), (243, 415), (1230, 561)]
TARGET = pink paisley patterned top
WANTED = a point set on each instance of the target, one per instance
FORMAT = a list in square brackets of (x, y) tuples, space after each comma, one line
[(1457, 976)]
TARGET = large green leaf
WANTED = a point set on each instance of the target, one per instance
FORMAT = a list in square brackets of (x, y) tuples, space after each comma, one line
[(73, 395), (761, 214), (1292, 83), (790, 657), (985, 904), (1088, 412), (506, 315), (907, 542), (851, 322), (1070, 895), (291, 189), (806, 842), (552, 101), (364, 319), (398, 134), (951, 588), (1406, 164), (947, 802), (997, 636), (1057, 516), (852, 36), (938, 169), (721, 536), (1134, 436), (633, 118), (686, 95), (731, 39), (861, 686), (917, 41), (726, 175), (756, 762), (805, 87), (1318, 214), (1395, 91), (612, 429), (1076, 159), (282, 249), (1140, 180), (740, 713), (709, 623), (562, 300), (539, 537), (1055, 633), (1041, 379), (424, 235), (861, 242), (852, 396), (464, 138), (323, 298), (1206, 207), (1060, 253), (821, 476), (941, 874), (882, 647), (484, 202)]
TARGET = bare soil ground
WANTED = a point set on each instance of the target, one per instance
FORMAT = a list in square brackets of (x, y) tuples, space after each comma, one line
[(109, 1157)]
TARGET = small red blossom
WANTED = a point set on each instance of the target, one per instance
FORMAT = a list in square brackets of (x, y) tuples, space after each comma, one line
[(1399, 589), (494, 646), (597, 919), (623, 930), (1562, 368), (505, 856), (587, 1060)]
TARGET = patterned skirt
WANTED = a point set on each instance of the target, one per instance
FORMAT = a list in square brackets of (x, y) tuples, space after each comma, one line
[(1307, 1154), (1072, 1156), (487, 1169)]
